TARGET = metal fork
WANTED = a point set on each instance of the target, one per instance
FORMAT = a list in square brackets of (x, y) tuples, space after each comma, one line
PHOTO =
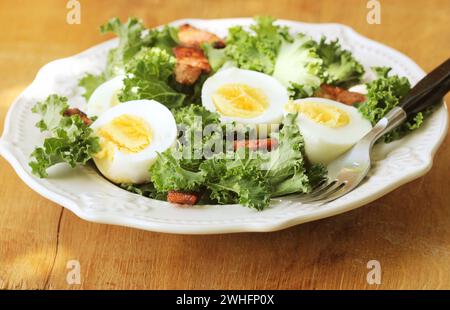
[(346, 172)]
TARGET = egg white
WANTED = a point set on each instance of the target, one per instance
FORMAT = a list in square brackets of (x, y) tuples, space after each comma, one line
[(360, 88), (277, 95), (134, 167), (323, 144), (103, 96)]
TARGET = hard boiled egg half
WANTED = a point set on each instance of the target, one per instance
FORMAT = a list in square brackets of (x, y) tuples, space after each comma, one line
[(329, 128), (245, 97), (105, 97), (131, 136)]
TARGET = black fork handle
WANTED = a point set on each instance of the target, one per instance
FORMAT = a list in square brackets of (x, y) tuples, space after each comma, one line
[(428, 91)]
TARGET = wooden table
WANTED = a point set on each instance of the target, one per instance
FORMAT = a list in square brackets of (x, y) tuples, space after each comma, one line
[(407, 231)]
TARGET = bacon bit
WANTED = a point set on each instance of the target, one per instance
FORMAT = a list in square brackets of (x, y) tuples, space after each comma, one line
[(81, 114), (192, 56), (182, 198), (186, 74), (190, 36), (328, 91), (259, 144), (191, 62), (339, 94), (350, 98)]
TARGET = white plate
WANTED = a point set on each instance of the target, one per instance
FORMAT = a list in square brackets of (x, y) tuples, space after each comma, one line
[(91, 197)]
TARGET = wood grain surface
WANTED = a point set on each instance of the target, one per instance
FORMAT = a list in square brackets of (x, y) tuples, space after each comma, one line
[(407, 231)]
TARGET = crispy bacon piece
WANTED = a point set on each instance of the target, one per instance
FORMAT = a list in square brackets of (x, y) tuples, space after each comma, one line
[(340, 94), (182, 198), (186, 74), (350, 98), (81, 114), (257, 144), (328, 91), (190, 36), (191, 62)]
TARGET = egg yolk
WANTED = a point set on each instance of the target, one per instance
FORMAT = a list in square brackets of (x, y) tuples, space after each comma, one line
[(240, 100), (127, 133), (321, 113)]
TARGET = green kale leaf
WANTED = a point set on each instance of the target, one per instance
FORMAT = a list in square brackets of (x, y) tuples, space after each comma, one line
[(148, 78), (90, 83), (216, 56), (285, 167), (256, 49), (70, 140), (169, 173), (130, 36), (165, 38), (385, 93), (298, 66), (339, 66), (237, 180)]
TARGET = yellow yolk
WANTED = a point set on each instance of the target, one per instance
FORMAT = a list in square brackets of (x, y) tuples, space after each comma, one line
[(127, 133), (320, 113), (240, 100)]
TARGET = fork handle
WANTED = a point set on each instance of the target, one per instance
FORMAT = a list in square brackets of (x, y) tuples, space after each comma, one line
[(428, 91)]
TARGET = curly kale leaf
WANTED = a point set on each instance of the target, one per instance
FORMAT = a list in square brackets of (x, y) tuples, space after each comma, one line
[(256, 49), (298, 66), (169, 173), (70, 140), (339, 66), (90, 82), (130, 36), (385, 93), (285, 167), (237, 180), (148, 78)]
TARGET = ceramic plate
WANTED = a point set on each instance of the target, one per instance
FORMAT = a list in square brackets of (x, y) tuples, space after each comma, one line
[(83, 191)]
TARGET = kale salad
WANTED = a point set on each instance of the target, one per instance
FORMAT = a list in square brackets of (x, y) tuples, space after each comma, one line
[(183, 115)]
